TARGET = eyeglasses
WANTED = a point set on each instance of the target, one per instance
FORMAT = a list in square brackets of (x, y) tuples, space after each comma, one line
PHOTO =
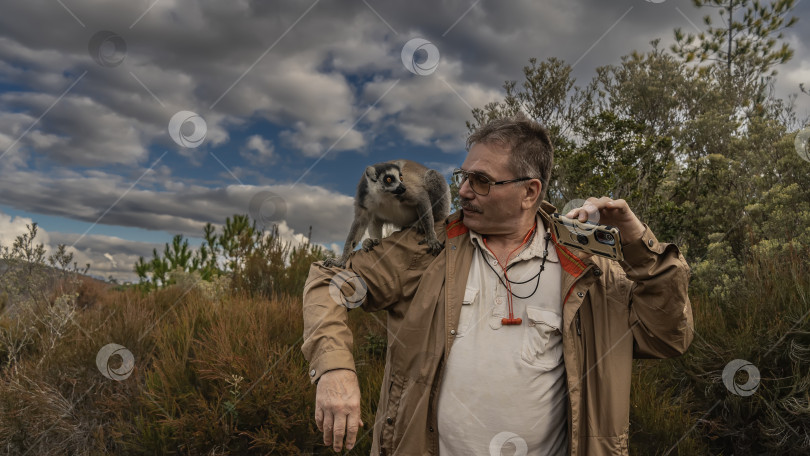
[(479, 183)]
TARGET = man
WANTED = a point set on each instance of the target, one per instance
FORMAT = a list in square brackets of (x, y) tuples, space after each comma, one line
[(506, 338)]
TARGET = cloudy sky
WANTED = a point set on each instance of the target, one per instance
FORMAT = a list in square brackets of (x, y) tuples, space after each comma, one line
[(124, 123)]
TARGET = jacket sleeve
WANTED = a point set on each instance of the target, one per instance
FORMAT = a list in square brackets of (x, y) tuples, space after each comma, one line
[(660, 311), (374, 280)]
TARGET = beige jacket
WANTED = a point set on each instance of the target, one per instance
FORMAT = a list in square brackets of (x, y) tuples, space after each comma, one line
[(612, 312)]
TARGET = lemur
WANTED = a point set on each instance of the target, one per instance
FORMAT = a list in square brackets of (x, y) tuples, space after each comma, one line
[(403, 193)]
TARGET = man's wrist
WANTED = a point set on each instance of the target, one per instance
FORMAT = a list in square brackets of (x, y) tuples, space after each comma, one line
[(331, 370), (330, 360), (634, 235)]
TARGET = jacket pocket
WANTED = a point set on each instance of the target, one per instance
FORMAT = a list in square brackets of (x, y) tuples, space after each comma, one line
[(466, 312), (542, 339), (388, 436)]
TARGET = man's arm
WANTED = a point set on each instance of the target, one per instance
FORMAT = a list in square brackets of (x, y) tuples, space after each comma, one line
[(327, 338), (374, 280), (660, 311)]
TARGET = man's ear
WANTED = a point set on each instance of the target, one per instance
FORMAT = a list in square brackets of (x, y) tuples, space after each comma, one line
[(371, 173), (531, 194)]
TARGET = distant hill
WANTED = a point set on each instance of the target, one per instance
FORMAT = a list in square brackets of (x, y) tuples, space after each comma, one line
[(52, 278)]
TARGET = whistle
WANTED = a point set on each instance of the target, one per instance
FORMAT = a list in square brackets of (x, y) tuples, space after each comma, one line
[(511, 321)]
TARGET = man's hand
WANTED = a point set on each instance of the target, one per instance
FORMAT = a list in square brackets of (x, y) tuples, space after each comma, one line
[(610, 212), (337, 408)]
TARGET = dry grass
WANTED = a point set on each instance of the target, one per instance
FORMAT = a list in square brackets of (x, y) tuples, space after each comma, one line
[(765, 321), (211, 376), (225, 375)]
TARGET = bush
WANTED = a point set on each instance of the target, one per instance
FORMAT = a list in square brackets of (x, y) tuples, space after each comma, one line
[(253, 260), (764, 320)]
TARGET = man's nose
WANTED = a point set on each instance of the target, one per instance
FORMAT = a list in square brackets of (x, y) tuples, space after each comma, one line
[(465, 190)]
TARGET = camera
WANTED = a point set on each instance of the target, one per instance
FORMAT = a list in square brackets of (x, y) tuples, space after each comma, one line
[(602, 240)]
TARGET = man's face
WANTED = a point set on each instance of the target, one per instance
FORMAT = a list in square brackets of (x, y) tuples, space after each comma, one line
[(498, 211)]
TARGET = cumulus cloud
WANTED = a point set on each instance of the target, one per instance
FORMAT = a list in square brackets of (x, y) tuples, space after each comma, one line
[(312, 71), (210, 59), (11, 227), (111, 256), (430, 110), (258, 150), (180, 209), (226, 64), (112, 260), (91, 249), (327, 76), (108, 256), (77, 130)]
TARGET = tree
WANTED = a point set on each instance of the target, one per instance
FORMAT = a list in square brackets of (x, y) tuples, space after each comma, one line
[(547, 95), (654, 89), (618, 159), (748, 45), (253, 260)]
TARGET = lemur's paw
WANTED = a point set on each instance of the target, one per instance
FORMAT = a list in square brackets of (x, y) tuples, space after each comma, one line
[(368, 244), (434, 245)]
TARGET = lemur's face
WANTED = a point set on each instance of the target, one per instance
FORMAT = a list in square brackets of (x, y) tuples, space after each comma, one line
[(391, 181)]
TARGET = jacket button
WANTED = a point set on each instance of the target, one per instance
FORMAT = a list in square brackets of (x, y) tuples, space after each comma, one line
[(650, 242), (312, 373), (580, 294), (453, 332), (430, 429), (597, 272), (389, 420)]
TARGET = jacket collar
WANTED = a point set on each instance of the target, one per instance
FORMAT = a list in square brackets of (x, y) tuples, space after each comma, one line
[(570, 262), (534, 249)]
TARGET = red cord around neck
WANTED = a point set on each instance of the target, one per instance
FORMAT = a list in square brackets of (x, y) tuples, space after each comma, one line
[(511, 320)]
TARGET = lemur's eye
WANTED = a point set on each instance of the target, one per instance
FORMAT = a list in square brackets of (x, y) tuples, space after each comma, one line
[(388, 180)]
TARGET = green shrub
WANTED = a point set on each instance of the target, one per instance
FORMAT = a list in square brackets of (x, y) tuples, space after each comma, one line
[(764, 320), (255, 261)]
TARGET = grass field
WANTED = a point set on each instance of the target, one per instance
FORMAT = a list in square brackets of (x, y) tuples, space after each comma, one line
[(218, 372)]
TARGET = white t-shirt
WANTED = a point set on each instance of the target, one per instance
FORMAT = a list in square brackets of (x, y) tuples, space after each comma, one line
[(503, 390)]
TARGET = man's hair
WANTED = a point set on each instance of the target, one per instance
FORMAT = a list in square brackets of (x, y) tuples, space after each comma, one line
[(531, 152)]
